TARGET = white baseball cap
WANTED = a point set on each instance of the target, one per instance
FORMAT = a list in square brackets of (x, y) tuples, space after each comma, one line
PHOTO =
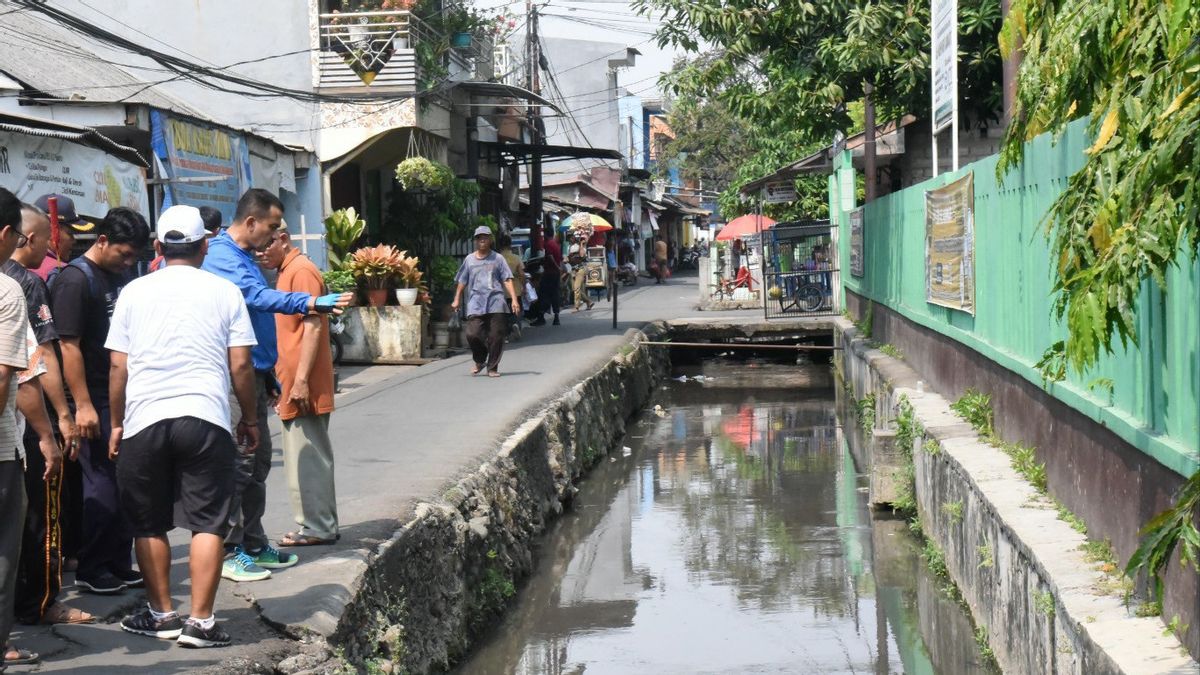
[(181, 224)]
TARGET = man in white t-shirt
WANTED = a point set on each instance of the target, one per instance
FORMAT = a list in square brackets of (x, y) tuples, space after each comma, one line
[(176, 336)]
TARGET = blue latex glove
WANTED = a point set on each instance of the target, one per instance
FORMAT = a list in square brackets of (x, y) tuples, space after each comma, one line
[(327, 303)]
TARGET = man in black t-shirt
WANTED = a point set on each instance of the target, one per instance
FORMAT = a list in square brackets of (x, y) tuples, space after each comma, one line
[(83, 295), (39, 579)]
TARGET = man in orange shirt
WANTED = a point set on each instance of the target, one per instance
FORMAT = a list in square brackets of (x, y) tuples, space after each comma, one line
[(305, 372)]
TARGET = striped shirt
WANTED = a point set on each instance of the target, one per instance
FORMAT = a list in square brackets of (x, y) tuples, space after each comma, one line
[(14, 352)]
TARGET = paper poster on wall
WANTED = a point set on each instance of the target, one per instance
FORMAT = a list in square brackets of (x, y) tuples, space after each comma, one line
[(856, 242), (207, 166), (950, 245), (31, 166)]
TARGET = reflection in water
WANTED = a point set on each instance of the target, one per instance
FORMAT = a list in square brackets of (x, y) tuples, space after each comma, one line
[(732, 539)]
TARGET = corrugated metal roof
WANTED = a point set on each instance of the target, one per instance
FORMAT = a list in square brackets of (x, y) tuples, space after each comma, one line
[(63, 65), (70, 132)]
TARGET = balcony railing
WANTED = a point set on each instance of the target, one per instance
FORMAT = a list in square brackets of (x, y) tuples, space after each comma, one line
[(371, 49)]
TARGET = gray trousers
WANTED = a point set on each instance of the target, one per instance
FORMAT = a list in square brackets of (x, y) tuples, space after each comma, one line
[(12, 510), (308, 462), (249, 501)]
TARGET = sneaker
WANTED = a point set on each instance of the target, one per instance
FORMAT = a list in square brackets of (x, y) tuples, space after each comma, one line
[(556, 322), (105, 584), (241, 567), (195, 636), (131, 578), (144, 623), (540, 321), (273, 559)]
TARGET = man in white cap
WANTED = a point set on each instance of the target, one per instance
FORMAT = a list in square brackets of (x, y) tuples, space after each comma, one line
[(176, 337), (486, 277)]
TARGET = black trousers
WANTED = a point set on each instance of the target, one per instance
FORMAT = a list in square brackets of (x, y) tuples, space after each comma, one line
[(485, 334), (107, 544), (549, 294), (39, 572)]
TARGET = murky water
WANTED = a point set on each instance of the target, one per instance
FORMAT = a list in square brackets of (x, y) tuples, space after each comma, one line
[(732, 536)]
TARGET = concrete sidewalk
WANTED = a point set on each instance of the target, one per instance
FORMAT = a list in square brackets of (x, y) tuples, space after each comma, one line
[(401, 434)]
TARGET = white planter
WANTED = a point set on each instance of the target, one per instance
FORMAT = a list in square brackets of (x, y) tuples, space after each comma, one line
[(406, 296)]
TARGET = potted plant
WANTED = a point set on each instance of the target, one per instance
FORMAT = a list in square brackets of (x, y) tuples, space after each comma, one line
[(376, 267), (408, 280), (342, 230), (419, 173)]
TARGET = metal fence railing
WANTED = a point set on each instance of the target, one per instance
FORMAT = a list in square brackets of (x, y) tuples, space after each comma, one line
[(800, 277)]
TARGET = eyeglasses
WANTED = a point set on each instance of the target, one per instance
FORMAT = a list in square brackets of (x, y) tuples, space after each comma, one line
[(22, 239)]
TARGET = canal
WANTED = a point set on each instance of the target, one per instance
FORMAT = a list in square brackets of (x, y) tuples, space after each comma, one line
[(730, 534)]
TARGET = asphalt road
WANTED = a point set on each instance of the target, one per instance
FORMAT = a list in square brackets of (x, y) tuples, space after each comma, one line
[(401, 434)]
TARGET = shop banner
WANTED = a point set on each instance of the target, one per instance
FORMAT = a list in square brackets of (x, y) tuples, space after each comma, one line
[(856, 242), (192, 152), (31, 166), (950, 245)]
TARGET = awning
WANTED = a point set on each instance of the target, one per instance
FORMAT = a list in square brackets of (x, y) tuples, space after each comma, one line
[(523, 153), (88, 136), (42, 156), (889, 142), (500, 90)]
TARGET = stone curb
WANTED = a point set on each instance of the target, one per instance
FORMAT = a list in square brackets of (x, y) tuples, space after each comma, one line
[(1035, 558)]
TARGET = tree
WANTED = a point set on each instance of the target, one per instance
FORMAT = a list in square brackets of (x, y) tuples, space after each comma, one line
[(1134, 207), (804, 60)]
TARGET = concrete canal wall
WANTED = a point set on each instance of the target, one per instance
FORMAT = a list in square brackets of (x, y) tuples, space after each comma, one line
[(444, 577), (1022, 571)]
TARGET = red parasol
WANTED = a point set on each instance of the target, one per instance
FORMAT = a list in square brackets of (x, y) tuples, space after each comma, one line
[(744, 226)]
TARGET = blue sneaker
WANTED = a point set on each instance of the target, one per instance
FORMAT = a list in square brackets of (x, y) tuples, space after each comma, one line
[(241, 567), (273, 559)]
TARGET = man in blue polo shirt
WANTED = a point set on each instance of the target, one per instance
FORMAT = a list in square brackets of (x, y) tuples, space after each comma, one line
[(231, 256)]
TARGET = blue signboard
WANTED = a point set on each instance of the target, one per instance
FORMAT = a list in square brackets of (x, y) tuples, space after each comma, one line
[(194, 151)]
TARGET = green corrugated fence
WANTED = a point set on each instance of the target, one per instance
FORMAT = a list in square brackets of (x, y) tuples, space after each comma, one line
[(1154, 402)]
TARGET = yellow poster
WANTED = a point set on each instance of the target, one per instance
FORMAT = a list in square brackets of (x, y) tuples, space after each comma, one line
[(950, 245)]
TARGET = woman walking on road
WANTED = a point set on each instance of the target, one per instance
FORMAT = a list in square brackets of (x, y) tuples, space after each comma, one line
[(486, 277)]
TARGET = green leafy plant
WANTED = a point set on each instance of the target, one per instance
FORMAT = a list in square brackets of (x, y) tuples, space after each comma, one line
[(986, 558), (865, 407), (421, 219), (976, 409), (953, 510), (1175, 527), (339, 281), (1044, 602), (985, 649), (1133, 209), (931, 447), (935, 560), (891, 351), (419, 173), (1024, 462), (1069, 517), (343, 229)]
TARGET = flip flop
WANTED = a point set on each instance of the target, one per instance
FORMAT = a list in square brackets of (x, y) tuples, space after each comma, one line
[(24, 657), (297, 539), (59, 613)]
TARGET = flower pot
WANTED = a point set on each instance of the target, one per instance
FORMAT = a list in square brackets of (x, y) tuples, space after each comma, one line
[(406, 296), (460, 40), (376, 297)]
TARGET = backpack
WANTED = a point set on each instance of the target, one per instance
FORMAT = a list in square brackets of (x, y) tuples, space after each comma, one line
[(83, 266)]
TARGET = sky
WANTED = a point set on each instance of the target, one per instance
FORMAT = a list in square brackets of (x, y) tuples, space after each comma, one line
[(603, 21)]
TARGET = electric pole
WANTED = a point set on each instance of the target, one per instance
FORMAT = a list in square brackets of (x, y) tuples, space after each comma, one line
[(536, 125)]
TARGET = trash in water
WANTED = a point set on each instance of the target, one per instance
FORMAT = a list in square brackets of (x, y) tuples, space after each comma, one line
[(658, 410), (700, 378), (626, 451), (681, 378)]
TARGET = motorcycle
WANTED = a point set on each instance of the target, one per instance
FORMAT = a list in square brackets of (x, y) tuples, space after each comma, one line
[(627, 274), (690, 258)]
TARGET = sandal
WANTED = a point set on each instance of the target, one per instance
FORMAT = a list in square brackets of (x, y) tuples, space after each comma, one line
[(58, 613), (476, 368), (19, 657), (298, 539), (493, 373)]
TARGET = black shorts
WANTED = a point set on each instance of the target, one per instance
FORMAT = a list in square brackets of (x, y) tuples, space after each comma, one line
[(177, 473)]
